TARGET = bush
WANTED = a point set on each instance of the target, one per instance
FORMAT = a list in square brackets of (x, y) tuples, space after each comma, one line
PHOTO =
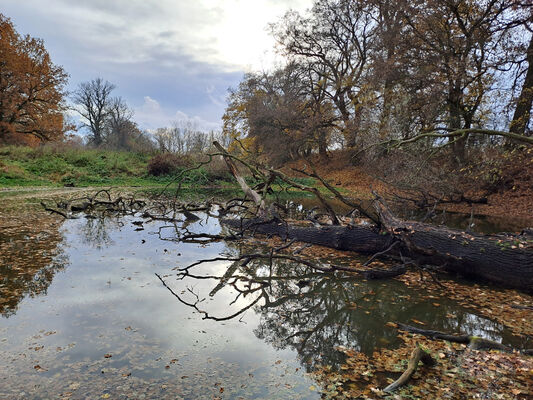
[(166, 163)]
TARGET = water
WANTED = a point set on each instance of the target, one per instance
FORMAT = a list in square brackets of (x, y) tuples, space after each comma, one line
[(94, 321), (475, 223)]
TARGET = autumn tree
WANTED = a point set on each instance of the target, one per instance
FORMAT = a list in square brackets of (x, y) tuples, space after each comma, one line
[(32, 89), (282, 114), (457, 45), (94, 103), (334, 43)]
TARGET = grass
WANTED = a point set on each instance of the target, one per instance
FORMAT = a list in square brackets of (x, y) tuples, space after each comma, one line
[(57, 166)]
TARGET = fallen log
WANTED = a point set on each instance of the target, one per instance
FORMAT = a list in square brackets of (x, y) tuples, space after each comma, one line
[(506, 261), (490, 258), (502, 259), (474, 342), (417, 355)]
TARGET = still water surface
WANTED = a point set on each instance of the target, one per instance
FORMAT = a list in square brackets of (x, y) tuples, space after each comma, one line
[(105, 326)]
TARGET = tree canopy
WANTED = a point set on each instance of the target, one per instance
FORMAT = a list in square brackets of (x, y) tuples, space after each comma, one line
[(32, 89), (380, 71)]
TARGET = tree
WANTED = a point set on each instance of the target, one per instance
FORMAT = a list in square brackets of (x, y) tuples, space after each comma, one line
[(183, 137), (334, 43), (119, 124), (32, 89), (94, 105), (282, 114), (457, 45), (522, 114)]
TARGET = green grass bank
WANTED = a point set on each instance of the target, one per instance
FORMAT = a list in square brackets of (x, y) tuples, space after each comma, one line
[(57, 166)]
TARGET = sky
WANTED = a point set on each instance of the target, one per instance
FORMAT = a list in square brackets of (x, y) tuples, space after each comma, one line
[(170, 59)]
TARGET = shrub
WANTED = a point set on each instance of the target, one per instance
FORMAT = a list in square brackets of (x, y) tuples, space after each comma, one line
[(166, 163)]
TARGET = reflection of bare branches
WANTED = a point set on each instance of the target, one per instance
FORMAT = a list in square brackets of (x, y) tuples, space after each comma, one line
[(205, 313), (95, 231)]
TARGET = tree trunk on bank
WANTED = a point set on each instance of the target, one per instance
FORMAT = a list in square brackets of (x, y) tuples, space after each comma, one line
[(489, 258), (525, 100)]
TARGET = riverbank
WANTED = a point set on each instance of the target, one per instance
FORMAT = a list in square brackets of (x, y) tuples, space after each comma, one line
[(24, 168), (507, 184), (57, 166)]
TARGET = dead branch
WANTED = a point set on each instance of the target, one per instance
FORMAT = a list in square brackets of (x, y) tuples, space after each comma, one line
[(356, 205), (417, 355), (474, 342), (451, 136), (259, 201), (53, 211)]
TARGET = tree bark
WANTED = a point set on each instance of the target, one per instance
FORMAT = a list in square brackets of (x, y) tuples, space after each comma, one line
[(522, 115), (488, 258)]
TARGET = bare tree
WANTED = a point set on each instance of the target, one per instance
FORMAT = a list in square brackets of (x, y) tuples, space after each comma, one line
[(93, 100), (334, 42), (183, 137), (118, 123)]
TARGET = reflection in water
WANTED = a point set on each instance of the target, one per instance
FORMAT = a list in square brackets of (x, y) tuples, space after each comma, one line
[(314, 313), (111, 303), (96, 231), (29, 257)]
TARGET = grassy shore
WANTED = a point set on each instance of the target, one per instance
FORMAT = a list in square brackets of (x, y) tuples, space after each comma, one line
[(70, 166)]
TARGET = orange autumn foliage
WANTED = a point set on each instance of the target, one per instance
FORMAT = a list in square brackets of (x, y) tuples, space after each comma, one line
[(31, 89)]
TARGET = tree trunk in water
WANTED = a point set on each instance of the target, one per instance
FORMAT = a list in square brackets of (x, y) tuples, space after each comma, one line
[(489, 258), (522, 115)]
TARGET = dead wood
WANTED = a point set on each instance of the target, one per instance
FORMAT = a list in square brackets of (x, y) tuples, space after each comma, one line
[(417, 355), (503, 259), (490, 258), (474, 342)]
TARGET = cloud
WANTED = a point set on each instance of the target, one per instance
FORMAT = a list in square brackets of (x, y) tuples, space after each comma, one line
[(151, 116), (185, 54), (229, 34)]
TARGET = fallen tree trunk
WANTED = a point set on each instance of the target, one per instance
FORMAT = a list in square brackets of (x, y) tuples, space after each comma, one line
[(491, 258), (503, 260)]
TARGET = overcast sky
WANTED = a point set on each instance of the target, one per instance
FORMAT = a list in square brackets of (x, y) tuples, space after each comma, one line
[(170, 59)]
